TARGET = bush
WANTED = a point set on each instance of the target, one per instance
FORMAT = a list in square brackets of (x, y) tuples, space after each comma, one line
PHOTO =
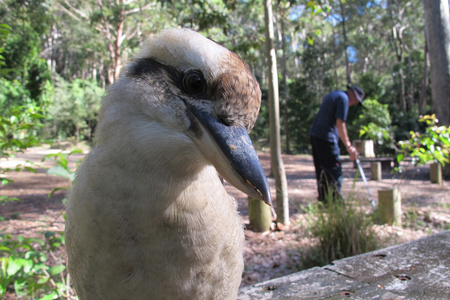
[(303, 107), (342, 230), (25, 270), (18, 131), (74, 108), (373, 123), (430, 145)]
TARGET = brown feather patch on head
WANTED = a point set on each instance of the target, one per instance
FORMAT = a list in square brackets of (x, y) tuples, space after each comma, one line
[(236, 93)]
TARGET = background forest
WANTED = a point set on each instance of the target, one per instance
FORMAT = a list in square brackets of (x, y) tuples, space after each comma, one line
[(59, 56)]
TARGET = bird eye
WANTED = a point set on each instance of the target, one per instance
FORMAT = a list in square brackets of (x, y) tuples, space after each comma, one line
[(194, 83)]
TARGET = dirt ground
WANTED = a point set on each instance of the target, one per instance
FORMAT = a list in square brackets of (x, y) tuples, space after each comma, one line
[(425, 206)]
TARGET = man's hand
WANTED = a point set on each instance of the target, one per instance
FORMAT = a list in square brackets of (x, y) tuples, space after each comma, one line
[(353, 153), (342, 129)]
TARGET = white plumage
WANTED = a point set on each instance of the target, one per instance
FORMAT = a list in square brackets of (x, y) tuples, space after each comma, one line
[(148, 216)]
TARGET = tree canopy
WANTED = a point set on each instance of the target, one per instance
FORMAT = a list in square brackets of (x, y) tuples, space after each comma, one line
[(322, 45)]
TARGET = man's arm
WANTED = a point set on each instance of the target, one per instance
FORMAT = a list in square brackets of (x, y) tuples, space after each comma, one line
[(342, 130)]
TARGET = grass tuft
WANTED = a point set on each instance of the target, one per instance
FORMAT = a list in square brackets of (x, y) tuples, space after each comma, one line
[(341, 230)]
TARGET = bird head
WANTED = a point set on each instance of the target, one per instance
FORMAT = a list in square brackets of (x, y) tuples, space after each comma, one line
[(209, 94)]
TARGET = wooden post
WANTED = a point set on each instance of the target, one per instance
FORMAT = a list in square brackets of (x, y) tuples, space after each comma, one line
[(260, 215), (375, 168), (436, 173), (364, 147), (390, 206)]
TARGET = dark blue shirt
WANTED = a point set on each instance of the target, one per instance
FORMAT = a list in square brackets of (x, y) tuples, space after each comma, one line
[(334, 106)]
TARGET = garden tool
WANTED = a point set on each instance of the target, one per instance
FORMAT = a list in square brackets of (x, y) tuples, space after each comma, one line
[(363, 176)]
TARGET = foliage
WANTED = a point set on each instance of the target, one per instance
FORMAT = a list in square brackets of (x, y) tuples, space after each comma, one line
[(374, 123), (303, 106), (29, 21), (374, 132), (73, 111), (25, 267), (62, 168), (432, 145), (372, 112), (17, 132), (18, 129), (261, 132), (4, 32), (342, 230)]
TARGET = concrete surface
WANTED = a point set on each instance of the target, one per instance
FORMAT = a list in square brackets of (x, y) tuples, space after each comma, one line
[(418, 269)]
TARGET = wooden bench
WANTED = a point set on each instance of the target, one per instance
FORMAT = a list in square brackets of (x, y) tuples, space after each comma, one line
[(387, 162)]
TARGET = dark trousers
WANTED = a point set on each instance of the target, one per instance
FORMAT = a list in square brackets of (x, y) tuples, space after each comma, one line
[(328, 168)]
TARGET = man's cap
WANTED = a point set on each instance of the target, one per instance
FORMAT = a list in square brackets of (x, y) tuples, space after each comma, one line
[(359, 93)]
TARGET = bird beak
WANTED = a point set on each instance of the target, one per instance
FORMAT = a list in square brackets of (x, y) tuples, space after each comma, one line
[(231, 151)]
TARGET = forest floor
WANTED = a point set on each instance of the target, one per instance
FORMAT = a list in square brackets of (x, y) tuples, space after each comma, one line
[(425, 207)]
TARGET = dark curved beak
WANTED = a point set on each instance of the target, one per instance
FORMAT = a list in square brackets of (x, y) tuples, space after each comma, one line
[(240, 165)]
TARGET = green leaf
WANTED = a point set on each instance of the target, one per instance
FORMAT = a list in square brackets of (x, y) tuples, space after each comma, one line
[(5, 181), (57, 269), (55, 190), (50, 296), (8, 199), (30, 169), (5, 26), (74, 151), (14, 266), (59, 171)]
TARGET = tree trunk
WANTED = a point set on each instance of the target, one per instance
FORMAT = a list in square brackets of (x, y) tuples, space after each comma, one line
[(398, 48), (344, 35), (274, 116), (425, 83), (117, 47), (437, 23), (336, 83), (284, 78)]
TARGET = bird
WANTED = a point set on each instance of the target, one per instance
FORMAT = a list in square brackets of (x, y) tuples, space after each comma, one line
[(148, 216)]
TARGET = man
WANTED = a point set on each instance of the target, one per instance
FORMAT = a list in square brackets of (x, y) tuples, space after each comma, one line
[(328, 126)]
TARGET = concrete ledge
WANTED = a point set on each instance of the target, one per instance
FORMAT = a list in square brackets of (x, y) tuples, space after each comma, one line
[(418, 269)]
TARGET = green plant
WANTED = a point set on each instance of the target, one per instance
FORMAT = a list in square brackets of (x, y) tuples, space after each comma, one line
[(432, 145), (374, 132), (25, 268), (374, 123), (18, 132), (73, 111), (18, 129), (342, 230), (62, 168), (5, 30)]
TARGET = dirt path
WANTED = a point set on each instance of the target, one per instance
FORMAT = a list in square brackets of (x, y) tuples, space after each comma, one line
[(425, 207)]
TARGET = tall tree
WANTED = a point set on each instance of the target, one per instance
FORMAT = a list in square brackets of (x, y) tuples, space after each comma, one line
[(274, 116), (438, 39), (283, 9), (115, 20), (344, 36)]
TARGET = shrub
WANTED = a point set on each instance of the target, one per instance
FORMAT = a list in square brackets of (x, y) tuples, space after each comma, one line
[(73, 110), (374, 123), (25, 270), (342, 230), (431, 145)]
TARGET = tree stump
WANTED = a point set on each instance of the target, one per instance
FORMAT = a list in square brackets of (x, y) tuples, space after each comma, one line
[(260, 215), (390, 207), (375, 168), (436, 173)]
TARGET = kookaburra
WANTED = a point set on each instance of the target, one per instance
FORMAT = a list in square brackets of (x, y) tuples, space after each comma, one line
[(148, 216)]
